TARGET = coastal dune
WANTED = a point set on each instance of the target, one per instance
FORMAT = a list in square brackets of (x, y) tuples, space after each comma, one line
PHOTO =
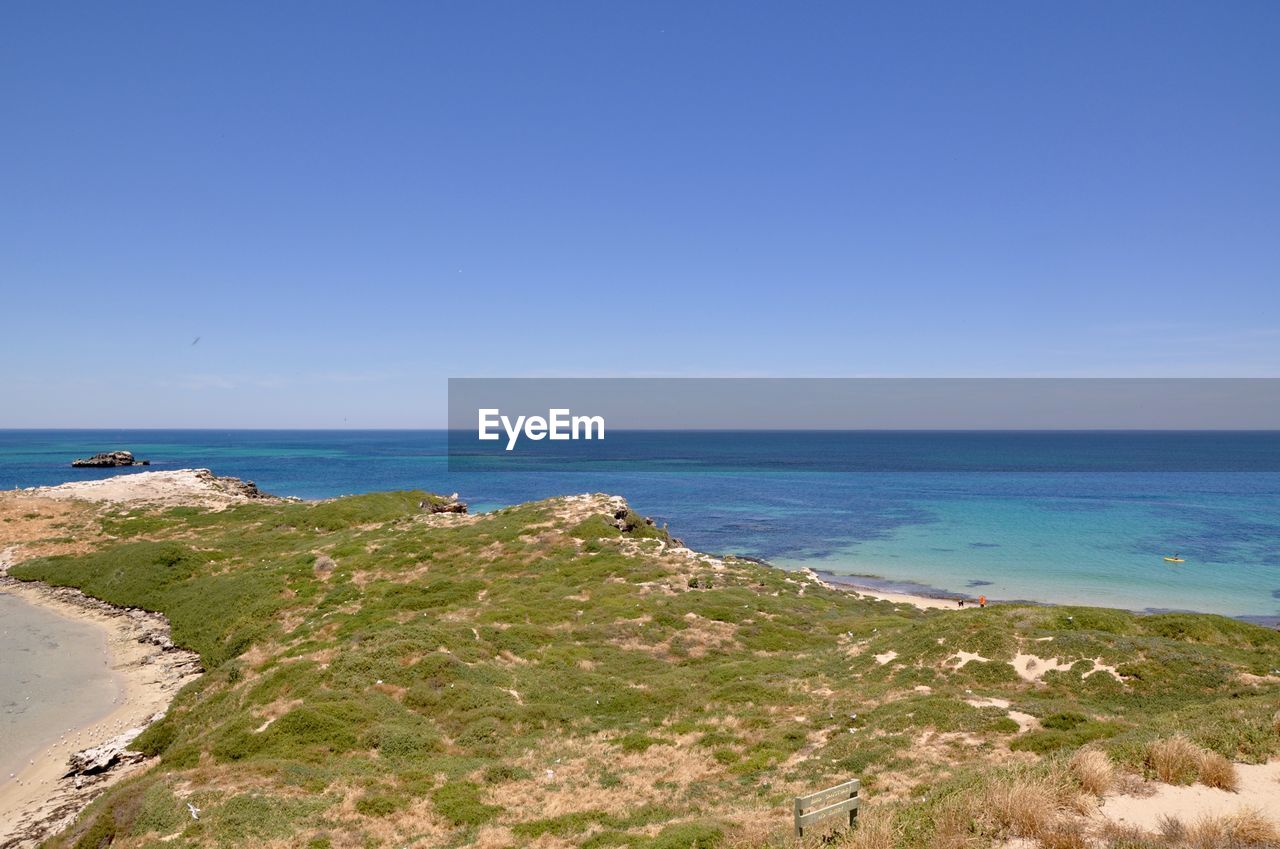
[(496, 667)]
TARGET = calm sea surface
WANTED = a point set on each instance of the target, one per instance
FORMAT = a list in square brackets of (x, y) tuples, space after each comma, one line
[(1071, 517)]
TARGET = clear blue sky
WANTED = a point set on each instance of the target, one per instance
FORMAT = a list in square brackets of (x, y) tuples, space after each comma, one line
[(348, 203)]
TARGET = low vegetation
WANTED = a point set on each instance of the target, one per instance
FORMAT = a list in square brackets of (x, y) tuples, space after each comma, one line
[(561, 674), (1093, 771), (1244, 829), (1177, 760)]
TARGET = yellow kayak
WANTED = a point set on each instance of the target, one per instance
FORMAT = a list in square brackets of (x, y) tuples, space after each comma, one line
[(1174, 560)]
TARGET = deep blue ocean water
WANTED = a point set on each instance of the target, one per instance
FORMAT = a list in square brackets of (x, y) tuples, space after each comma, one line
[(1070, 517)]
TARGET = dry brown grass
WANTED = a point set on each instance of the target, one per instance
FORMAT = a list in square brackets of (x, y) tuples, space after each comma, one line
[(38, 527), (953, 826), (1245, 829), (1172, 831), (1093, 769), (1115, 835), (1217, 771), (1275, 722), (1175, 760), (1065, 834), (1024, 806), (1249, 827), (876, 830)]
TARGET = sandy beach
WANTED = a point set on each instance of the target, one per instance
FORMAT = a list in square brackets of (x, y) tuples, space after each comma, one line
[(922, 602), (916, 600), (41, 798)]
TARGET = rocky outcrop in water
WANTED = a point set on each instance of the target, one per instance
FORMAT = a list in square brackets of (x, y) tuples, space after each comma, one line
[(109, 460)]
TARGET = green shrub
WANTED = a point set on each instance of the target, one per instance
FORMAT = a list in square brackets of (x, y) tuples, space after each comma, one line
[(313, 726), (460, 802), (690, 835), (161, 812), (380, 804)]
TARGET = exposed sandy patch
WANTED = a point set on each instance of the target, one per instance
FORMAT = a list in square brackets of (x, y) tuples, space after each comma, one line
[(981, 702), (882, 659), (1259, 789), (1099, 666), (1032, 668), (1026, 722), (184, 487), (964, 657)]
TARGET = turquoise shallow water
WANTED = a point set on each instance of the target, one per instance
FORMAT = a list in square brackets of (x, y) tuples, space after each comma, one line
[(1046, 517), (1086, 548)]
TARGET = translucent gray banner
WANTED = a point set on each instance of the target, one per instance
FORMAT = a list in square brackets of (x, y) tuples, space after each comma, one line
[(1126, 424)]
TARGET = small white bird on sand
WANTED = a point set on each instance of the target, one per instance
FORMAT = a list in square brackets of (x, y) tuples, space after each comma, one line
[(195, 812)]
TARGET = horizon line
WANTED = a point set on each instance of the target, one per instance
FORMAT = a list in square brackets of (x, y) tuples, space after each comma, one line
[(662, 429)]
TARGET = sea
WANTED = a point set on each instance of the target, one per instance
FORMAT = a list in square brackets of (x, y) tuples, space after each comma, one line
[(1048, 517)]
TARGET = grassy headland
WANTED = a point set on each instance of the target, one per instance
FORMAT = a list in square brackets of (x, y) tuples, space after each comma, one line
[(560, 674)]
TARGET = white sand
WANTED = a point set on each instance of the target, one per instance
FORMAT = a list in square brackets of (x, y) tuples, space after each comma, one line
[(1032, 668), (965, 657), (919, 601), (181, 487), (1259, 789), (1026, 722)]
